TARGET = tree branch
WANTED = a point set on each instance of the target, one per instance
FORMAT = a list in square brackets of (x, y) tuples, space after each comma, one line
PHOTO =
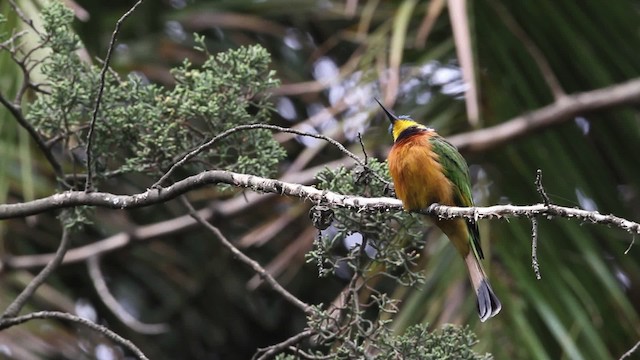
[(99, 283), (534, 248), (6, 323), (16, 305), (247, 260), (272, 350), (559, 111), (168, 227), (631, 351), (17, 114), (103, 74), (238, 128), (263, 185)]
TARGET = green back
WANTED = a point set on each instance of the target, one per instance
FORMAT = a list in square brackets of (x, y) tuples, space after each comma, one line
[(457, 171)]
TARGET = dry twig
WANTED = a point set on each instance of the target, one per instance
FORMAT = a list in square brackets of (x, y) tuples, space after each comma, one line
[(103, 75), (14, 308), (6, 323), (247, 260), (99, 283)]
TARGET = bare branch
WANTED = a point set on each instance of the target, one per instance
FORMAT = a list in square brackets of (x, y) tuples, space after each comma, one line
[(6, 323), (103, 74), (309, 193), (93, 265), (17, 114), (14, 308), (23, 17), (364, 151), (534, 248), (162, 228), (228, 132), (559, 111), (633, 240), (247, 260), (540, 188), (272, 350), (631, 351), (15, 108)]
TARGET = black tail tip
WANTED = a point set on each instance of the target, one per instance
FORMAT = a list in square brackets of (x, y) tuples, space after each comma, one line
[(488, 303)]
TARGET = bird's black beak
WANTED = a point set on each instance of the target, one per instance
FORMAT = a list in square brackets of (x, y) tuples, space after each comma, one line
[(391, 117)]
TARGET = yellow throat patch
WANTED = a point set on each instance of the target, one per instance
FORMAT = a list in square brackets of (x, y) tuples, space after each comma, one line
[(401, 124)]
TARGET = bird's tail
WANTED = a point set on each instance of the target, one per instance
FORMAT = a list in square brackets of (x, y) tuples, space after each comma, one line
[(488, 303)]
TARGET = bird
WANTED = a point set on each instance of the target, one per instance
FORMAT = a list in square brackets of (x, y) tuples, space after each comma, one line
[(427, 169)]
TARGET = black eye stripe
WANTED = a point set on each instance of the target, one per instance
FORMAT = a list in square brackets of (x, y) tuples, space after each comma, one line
[(410, 131)]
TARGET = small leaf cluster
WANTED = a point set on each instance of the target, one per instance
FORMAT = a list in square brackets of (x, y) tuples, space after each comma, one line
[(394, 237), (418, 343), (146, 128)]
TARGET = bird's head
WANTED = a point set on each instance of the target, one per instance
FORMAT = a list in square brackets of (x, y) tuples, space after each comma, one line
[(400, 123)]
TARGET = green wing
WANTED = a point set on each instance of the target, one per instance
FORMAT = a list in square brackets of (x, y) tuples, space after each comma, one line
[(457, 171)]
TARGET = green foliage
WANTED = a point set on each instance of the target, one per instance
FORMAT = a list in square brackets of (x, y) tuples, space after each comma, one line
[(76, 218), (418, 343), (144, 127), (395, 236)]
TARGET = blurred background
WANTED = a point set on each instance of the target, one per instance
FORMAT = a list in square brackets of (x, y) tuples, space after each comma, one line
[(333, 58)]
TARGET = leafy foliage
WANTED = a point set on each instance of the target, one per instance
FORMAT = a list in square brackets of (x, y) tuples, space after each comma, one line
[(419, 343), (391, 239), (145, 127)]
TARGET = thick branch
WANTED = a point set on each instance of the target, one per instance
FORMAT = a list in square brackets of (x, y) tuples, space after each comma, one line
[(168, 227), (561, 110), (264, 185)]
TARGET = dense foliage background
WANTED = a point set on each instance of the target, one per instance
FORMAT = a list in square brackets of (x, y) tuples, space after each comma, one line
[(332, 58)]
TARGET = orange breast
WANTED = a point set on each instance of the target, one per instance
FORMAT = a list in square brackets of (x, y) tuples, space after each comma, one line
[(417, 175)]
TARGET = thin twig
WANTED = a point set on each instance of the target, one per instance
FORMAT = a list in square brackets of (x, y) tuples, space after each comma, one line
[(93, 265), (631, 351), (364, 151), (6, 323), (23, 17), (534, 247), (247, 260), (272, 350), (103, 74), (16, 112), (633, 240), (15, 108), (540, 188), (14, 308), (228, 132)]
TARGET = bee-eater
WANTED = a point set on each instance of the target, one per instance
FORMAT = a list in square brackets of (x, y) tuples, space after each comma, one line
[(427, 169)]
